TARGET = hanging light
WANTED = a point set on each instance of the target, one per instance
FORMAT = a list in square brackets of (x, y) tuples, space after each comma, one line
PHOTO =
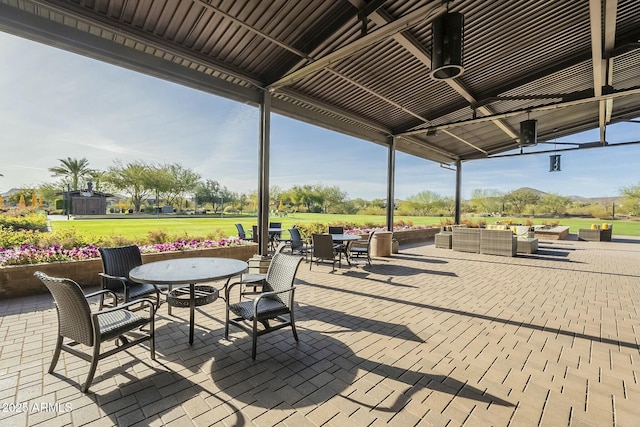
[(528, 133), (447, 46)]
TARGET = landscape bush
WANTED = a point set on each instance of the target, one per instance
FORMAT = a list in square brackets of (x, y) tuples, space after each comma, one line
[(31, 246), (23, 219)]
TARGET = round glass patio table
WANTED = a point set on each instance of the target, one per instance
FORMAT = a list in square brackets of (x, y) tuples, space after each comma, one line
[(188, 271)]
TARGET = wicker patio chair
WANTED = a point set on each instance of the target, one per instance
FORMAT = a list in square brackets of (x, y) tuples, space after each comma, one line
[(117, 262), (362, 248), (274, 303), (78, 323), (255, 280), (324, 250)]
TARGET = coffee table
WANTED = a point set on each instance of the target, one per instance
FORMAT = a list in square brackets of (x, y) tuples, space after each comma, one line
[(190, 271)]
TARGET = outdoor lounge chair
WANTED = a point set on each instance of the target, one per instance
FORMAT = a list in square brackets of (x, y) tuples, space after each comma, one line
[(78, 323), (117, 262), (274, 303), (360, 248), (324, 250)]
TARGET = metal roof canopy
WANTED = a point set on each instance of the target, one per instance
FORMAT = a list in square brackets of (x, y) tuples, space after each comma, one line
[(362, 68)]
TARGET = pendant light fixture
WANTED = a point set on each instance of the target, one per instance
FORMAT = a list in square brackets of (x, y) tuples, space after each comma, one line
[(528, 133), (447, 46)]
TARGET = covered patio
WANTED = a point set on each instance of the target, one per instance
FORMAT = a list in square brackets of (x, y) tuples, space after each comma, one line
[(447, 81), (426, 337)]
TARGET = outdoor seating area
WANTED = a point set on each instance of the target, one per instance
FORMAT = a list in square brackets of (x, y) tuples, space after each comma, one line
[(596, 233), (424, 337), (493, 240)]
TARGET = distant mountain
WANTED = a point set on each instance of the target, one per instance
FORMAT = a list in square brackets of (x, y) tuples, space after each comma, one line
[(604, 200)]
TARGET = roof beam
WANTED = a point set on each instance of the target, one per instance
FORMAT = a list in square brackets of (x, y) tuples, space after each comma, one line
[(416, 17), (610, 16), (554, 106), (357, 119), (601, 51), (254, 30), (407, 41)]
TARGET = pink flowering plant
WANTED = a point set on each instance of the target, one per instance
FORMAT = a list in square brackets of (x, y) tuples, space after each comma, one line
[(38, 248)]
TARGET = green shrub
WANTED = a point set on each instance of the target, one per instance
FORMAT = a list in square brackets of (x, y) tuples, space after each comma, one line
[(10, 237), (23, 219), (157, 236)]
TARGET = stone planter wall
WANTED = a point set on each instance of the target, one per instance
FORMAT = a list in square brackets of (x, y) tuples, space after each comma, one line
[(18, 280), (414, 236)]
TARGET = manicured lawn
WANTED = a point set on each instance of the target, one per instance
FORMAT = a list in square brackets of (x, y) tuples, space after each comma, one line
[(134, 226)]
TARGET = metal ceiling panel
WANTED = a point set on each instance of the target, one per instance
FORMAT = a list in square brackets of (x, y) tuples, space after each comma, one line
[(368, 76)]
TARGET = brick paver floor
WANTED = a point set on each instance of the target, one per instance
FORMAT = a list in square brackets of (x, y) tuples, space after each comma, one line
[(428, 337)]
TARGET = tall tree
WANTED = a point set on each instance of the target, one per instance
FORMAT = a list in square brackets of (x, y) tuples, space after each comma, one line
[(487, 201), (183, 181), (425, 202), (519, 199), (211, 191), (133, 179), (72, 171), (631, 200), (554, 203)]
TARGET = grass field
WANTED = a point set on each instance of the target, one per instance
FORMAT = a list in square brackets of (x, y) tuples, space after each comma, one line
[(135, 227)]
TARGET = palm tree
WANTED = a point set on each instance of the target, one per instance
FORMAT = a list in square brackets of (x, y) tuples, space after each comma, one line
[(72, 169)]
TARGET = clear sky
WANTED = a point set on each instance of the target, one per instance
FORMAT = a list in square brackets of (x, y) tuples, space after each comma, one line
[(55, 104)]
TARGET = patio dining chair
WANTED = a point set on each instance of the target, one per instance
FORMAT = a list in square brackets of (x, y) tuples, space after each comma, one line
[(275, 236), (342, 247), (117, 262), (255, 280), (324, 250), (360, 248), (298, 244), (275, 303), (79, 324), (242, 234)]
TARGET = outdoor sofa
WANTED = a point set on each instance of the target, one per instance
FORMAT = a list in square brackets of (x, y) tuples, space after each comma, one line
[(595, 235), (491, 242)]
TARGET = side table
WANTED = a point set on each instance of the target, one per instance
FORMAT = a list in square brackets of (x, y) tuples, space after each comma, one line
[(527, 245), (443, 240)]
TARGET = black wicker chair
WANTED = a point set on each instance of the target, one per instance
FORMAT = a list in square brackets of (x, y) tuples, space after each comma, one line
[(117, 262), (274, 303), (255, 280), (78, 323)]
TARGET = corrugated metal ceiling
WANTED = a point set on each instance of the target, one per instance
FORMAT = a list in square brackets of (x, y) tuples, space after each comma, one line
[(522, 58)]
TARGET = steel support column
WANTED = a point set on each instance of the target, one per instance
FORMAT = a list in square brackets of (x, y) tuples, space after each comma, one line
[(391, 174), (263, 173), (458, 190)]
